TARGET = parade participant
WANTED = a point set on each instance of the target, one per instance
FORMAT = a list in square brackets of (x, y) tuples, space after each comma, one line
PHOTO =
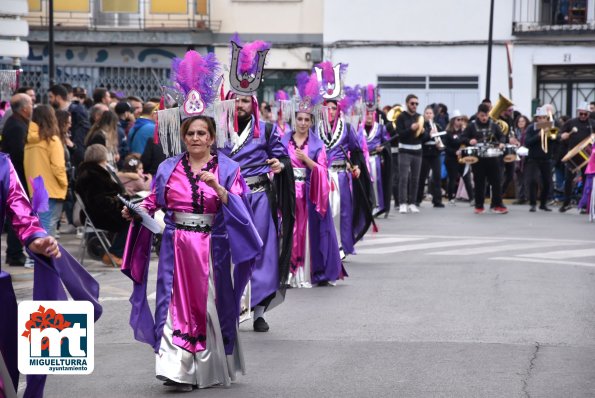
[(258, 150), (508, 168), (538, 165), (54, 269), (282, 112), (452, 144), (315, 254), (431, 160), (380, 156), (391, 127), (521, 124), (574, 132), (208, 224), (351, 209), (411, 133), (484, 132)]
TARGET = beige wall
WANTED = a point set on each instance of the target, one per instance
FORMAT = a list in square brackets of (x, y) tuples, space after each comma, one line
[(279, 17)]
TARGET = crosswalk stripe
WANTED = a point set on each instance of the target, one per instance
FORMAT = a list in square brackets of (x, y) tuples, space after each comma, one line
[(542, 261), (492, 249), (381, 241), (563, 254), (422, 246)]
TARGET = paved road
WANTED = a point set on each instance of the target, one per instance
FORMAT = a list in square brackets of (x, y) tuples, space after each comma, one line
[(443, 303)]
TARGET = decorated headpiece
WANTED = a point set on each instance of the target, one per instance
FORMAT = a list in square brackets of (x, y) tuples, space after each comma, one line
[(308, 98), (331, 79), (351, 105), (196, 82), (247, 65), (282, 107), (370, 93)]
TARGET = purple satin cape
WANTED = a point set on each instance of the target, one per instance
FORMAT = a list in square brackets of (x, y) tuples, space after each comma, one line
[(233, 224)]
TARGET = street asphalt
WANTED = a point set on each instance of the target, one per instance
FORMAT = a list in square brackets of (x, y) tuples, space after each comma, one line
[(444, 303)]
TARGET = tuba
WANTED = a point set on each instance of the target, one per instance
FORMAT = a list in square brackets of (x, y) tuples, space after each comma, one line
[(393, 114), (502, 104)]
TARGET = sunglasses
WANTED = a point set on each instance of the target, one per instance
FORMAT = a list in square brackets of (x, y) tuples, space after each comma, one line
[(583, 113), (414, 103)]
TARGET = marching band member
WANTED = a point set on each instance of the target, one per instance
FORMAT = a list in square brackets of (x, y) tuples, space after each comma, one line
[(380, 156), (349, 199), (258, 150), (574, 132), (452, 144), (483, 131), (208, 225), (538, 164), (410, 130), (431, 148), (508, 168), (315, 257)]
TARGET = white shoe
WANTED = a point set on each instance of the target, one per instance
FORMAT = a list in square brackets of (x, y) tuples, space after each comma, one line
[(403, 209), (413, 209), (29, 263)]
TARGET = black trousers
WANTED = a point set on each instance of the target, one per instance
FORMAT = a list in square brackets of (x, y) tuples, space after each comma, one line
[(395, 174), (455, 171), (14, 249), (487, 168), (508, 171), (538, 172), (430, 163)]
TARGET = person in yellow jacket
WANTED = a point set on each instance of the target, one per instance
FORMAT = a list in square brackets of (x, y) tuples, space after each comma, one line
[(44, 156)]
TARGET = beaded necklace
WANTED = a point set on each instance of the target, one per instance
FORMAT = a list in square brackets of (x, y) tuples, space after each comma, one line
[(198, 198)]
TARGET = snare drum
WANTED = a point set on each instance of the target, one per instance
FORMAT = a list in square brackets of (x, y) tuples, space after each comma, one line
[(491, 152), (510, 153), (578, 156), (470, 155)]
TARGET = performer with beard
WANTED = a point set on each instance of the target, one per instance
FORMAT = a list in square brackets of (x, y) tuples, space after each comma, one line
[(315, 255), (351, 209), (259, 151), (380, 157)]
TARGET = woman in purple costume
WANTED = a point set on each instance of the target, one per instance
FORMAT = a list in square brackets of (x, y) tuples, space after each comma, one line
[(194, 333)]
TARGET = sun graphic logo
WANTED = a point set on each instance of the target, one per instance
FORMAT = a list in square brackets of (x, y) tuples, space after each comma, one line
[(56, 337)]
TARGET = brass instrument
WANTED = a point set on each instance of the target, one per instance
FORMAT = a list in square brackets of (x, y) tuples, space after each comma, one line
[(502, 104), (420, 126), (439, 143), (393, 114), (553, 130)]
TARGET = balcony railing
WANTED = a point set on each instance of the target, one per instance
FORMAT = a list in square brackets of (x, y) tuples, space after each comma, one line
[(93, 16), (553, 17)]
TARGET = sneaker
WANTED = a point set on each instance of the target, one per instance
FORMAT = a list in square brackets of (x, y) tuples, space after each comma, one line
[(500, 210), (29, 263), (439, 205), (413, 209), (452, 202), (479, 210), (403, 209), (532, 209), (564, 208), (260, 325)]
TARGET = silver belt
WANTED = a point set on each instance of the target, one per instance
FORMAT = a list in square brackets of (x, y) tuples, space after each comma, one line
[(338, 165), (194, 222), (394, 149), (299, 173), (416, 147), (258, 183)]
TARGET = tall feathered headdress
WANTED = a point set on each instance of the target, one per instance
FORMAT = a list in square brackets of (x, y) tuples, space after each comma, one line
[(282, 107), (331, 79), (309, 97), (196, 82), (370, 93), (351, 105), (247, 65)]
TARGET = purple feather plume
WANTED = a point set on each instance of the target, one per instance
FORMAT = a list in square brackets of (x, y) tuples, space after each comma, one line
[(328, 73), (309, 86), (197, 72), (281, 95), (352, 95), (40, 199), (370, 94), (248, 60)]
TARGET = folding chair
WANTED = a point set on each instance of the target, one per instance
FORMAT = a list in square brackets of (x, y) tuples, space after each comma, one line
[(89, 227)]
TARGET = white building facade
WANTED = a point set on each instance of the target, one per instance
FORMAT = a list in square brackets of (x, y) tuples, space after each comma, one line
[(438, 49)]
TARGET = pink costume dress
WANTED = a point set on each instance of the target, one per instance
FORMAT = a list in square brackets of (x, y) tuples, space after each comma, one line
[(190, 342), (315, 254)]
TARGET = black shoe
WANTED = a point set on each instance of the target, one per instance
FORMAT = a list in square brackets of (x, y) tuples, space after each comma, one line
[(532, 209), (439, 205), (323, 283), (544, 208), (260, 325), (564, 208), (18, 261)]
